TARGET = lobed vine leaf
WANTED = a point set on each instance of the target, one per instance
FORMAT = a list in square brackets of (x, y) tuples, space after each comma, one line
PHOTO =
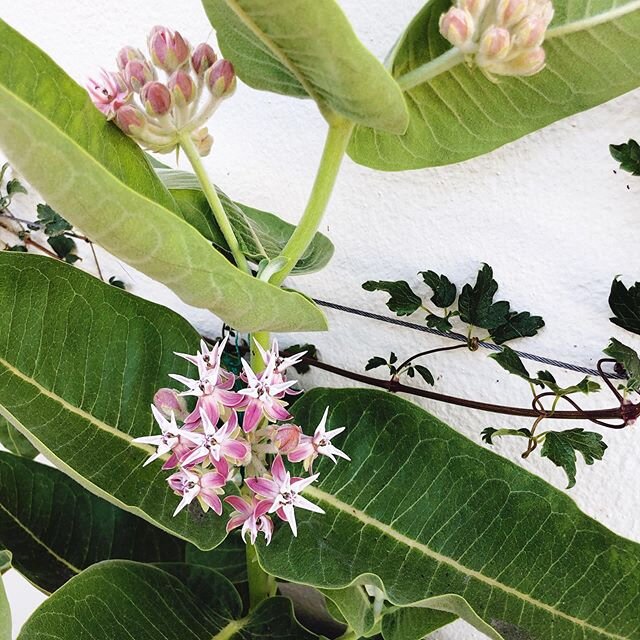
[(625, 304), (444, 291), (629, 359), (476, 304), (402, 301), (628, 155)]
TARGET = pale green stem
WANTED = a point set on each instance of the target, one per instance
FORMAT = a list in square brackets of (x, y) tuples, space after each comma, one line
[(431, 69), (261, 584), (214, 201), (349, 635), (262, 338), (334, 150)]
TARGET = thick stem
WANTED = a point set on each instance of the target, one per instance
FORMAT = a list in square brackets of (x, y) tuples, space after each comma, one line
[(431, 69), (214, 201), (334, 150), (262, 338), (261, 584)]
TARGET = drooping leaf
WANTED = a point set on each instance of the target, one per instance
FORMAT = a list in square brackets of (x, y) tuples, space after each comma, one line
[(308, 49), (508, 359), (14, 441), (490, 433), (461, 114), (444, 291), (431, 513), (517, 325), (54, 224), (625, 304), (628, 155), (261, 234), (427, 376), (354, 607), (439, 323), (375, 362), (179, 602), (585, 385), (476, 303), (80, 361), (5, 611), (629, 359), (100, 181), (403, 301), (561, 448), (15, 186)]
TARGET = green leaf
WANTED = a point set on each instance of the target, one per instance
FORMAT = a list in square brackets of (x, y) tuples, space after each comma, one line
[(476, 302), (413, 623), (375, 362), (439, 323), (427, 376), (100, 181), (118, 598), (629, 359), (460, 114), (229, 558), (430, 513), (625, 304), (444, 291), (14, 441), (5, 611), (54, 224), (561, 447), (628, 155), (585, 386), (517, 325), (308, 49), (15, 186), (260, 234), (403, 301), (490, 433), (355, 608), (80, 361), (508, 359), (64, 248)]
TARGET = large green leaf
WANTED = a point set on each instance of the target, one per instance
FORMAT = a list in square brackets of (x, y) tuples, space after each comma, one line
[(14, 441), (80, 361), (100, 181), (424, 512), (261, 234), (5, 611), (593, 55), (120, 599), (308, 48)]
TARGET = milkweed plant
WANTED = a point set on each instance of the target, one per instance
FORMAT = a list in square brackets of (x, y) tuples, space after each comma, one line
[(195, 489)]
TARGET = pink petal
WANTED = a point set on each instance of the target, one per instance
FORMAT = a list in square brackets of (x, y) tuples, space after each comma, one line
[(239, 504), (230, 399), (235, 522), (212, 480), (235, 449), (252, 416), (277, 412), (278, 471), (211, 499), (262, 487), (303, 450)]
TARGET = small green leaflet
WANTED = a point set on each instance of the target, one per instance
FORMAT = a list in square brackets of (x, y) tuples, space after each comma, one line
[(64, 248), (508, 359), (444, 291), (629, 359), (427, 376), (403, 301), (439, 323), (517, 325), (54, 224), (490, 433), (15, 186), (561, 447), (628, 155), (375, 362), (625, 304)]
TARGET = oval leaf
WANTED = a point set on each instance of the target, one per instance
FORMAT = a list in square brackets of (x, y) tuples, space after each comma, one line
[(80, 361), (430, 514), (261, 234), (99, 180), (593, 55), (178, 602), (302, 48)]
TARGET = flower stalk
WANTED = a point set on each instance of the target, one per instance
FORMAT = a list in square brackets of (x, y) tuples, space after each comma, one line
[(261, 584)]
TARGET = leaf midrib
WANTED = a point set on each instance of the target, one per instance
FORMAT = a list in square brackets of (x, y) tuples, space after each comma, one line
[(366, 519), (584, 24)]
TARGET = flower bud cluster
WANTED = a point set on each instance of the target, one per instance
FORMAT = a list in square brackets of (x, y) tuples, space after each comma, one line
[(173, 92), (238, 431), (502, 37)]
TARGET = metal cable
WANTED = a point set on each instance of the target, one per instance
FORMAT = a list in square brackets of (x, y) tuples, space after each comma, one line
[(461, 338)]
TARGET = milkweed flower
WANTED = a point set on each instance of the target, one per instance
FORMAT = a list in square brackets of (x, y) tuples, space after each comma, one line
[(206, 487), (108, 92), (251, 516)]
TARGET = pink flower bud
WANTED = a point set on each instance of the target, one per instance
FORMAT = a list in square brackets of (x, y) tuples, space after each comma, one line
[(182, 87), (221, 79), (137, 73), (527, 63), (494, 44), (456, 25), (203, 58), (156, 98), (509, 12), (108, 92), (287, 438), (131, 120), (203, 141), (168, 400), (168, 49), (126, 54), (529, 32), (473, 7)]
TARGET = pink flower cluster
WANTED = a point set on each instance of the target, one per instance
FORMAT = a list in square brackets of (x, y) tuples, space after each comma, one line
[(238, 431), (155, 112)]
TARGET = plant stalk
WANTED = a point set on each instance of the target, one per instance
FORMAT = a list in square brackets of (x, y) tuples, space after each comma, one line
[(262, 338), (431, 69), (214, 202), (334, 150), (261, 584)]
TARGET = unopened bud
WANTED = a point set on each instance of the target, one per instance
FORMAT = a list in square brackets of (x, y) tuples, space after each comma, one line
[(137, 73), (168, 401), (156, 98), (131, 120), (168, 49), (126, 54), (527, 63), (456, 25), (494, 44), (182, 87), (203, 58), (203, 141), (509, 12), (287, 438), (529, 32), (221, 79), (473, 7)]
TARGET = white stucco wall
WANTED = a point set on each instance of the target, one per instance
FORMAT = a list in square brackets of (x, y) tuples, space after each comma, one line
[(546, 212)]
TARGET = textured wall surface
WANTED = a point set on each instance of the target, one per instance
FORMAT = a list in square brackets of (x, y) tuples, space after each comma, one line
[(547, 212)]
